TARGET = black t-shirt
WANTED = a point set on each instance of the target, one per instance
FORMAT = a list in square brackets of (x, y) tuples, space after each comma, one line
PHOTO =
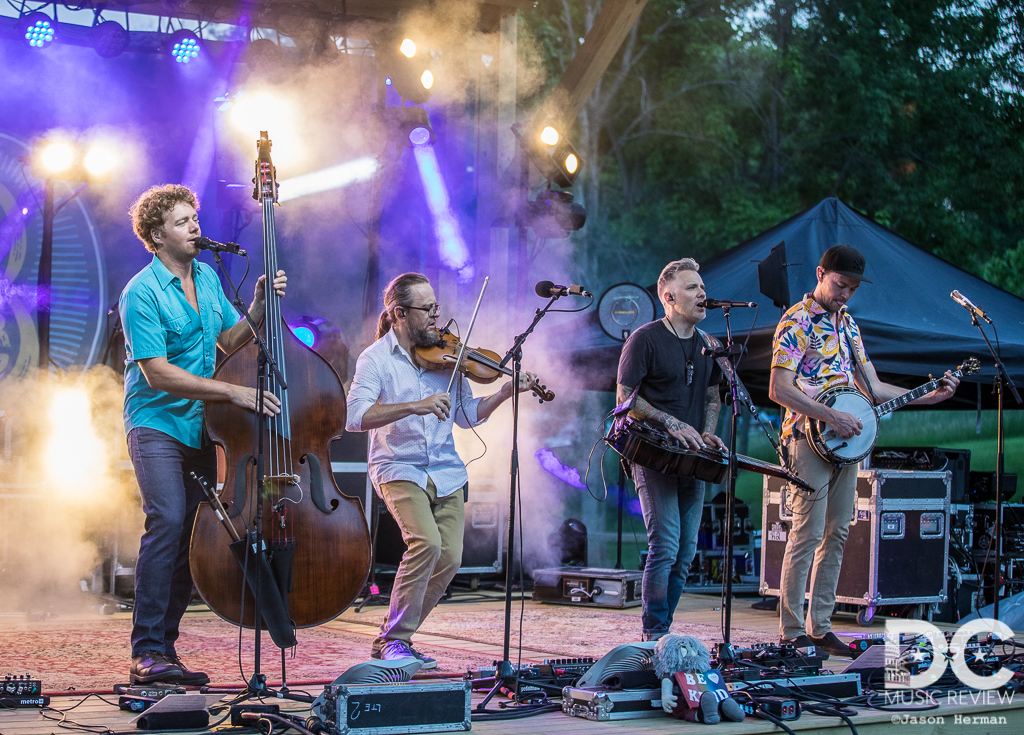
[(655, 359)]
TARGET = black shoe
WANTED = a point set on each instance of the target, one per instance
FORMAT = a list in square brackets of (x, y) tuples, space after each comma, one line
[(801, 641), (189, 677), (153, 666), (830, 642)]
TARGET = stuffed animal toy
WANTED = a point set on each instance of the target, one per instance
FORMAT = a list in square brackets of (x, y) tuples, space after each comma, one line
[(683, 659)]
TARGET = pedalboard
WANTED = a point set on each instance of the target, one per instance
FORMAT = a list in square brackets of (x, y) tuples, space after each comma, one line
[(549, 677), (21, 690), (767, 660)]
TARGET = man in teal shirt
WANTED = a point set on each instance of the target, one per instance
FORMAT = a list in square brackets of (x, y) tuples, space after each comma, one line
[(175, 315)]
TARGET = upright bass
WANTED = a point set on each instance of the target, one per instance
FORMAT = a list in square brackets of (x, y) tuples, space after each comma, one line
[(318, 535)]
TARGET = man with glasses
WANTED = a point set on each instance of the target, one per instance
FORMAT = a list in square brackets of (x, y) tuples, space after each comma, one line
[(412, 462)]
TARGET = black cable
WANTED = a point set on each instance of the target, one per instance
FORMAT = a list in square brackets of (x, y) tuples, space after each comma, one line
[(831, 712), (516, 712)]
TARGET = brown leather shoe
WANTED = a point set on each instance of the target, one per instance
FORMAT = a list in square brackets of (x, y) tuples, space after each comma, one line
[(189, 677), (153, 666)]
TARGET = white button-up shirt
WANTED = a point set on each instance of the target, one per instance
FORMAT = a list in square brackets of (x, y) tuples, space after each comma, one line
[(416, 447)]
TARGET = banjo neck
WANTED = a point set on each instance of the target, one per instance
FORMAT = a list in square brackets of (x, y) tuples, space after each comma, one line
[(900, 401)]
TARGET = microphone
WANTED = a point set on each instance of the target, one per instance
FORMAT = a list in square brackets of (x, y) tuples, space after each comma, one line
[(546, 289), (967, 304), (718, 304), (205, 243)]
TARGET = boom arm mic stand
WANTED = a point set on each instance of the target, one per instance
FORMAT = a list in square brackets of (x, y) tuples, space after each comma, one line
[(506, 675), (1002, 379)]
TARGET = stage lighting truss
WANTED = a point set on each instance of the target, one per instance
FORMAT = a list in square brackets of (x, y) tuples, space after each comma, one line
[(409, 126), (183, 46), (551, 152), (38, 29), (68, 160), (553, 215), (109, 38), (406, 64)]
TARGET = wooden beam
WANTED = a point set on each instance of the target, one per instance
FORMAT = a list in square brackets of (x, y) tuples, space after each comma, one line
[(600, 45)]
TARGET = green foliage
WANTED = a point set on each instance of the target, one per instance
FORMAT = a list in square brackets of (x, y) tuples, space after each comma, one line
[(721, 119)]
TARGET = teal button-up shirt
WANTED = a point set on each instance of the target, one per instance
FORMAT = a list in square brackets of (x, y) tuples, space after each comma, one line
[(158, 321)]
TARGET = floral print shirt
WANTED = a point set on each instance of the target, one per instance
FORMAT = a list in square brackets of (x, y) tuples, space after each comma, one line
[(806, 342)]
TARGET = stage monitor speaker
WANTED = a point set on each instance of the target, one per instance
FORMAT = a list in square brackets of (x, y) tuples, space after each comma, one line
[(482, 543)]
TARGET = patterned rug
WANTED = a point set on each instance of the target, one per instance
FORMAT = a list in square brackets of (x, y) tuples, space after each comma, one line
[(93, 653), (557, 629)]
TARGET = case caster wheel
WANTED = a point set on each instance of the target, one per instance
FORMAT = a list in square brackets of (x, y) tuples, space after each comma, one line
[(865, 615)]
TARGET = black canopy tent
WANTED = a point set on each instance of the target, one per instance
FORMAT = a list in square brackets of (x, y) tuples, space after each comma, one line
[(910, 324)]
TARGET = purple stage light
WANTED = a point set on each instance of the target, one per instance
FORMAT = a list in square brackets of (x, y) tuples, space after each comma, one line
[(38, 29), (453, 251), (554, 466), (184, 46)]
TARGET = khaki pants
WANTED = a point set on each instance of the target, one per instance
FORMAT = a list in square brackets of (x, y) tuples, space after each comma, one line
[(432, 529), (821, 523)]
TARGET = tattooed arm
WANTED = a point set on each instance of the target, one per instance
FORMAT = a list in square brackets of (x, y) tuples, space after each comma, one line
[(686, 434), (712, 406)]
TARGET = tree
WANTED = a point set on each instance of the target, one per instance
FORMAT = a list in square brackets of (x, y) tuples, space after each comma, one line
[(719, 120)]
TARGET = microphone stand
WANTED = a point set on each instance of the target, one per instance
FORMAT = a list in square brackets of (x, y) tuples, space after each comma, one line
[(1001, 378), (265, 364), (505, 675), (724, 651)]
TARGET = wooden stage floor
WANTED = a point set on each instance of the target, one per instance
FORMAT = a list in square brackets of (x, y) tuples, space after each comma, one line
[(100, 714)]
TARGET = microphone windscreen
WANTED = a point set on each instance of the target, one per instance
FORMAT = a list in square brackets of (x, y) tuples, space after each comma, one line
[(543, 288)]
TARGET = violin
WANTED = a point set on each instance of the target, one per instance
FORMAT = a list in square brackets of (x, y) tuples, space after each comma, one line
[(479, 365)]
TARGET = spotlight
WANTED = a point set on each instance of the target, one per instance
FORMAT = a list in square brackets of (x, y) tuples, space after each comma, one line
[(109, 39), (408, 125), (553, 215), (184, 45), (408, 68), (59, 158), (552, 153), (56, 157), (38, 29), (321, 335), (99, 160)]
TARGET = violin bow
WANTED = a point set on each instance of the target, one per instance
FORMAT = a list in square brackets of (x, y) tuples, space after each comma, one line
[(465, 340)]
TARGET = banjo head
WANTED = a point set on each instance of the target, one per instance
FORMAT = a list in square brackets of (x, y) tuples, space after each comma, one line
[(834, 448)]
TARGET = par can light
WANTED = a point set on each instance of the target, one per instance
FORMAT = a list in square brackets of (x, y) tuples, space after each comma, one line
[(38, 29)]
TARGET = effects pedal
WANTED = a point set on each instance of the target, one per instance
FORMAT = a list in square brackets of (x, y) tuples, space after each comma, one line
[(141, 698), (21, 690)]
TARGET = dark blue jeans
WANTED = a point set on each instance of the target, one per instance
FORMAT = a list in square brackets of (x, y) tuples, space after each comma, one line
[(170, 499), (672, 508)]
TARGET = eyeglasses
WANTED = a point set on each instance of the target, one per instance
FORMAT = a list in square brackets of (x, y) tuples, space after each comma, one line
[(433, 310)]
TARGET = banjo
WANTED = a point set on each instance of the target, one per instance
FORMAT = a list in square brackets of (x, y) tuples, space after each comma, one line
[(832, 447)]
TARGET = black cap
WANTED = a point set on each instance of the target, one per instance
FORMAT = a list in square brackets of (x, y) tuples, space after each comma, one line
[(845, 261)]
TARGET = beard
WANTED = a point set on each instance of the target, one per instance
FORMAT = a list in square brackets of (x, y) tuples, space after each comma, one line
[(426, 337)]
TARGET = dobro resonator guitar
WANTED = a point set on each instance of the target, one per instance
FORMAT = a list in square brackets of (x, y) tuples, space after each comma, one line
[(831, 447)]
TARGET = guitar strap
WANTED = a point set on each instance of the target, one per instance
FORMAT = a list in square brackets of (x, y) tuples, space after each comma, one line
[(857, 366), (713, 343)]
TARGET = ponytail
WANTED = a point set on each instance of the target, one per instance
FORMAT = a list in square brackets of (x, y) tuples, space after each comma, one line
[(383, 324), (397, 293)]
